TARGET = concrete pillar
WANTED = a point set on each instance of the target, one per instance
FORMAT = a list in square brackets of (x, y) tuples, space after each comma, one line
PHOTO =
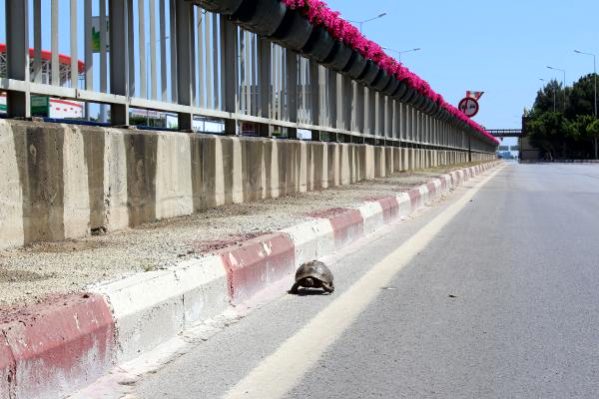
[(174, 194), (11, 192), (115, 180), (303, 167), (324, 177), (76, 190), (370, 159)]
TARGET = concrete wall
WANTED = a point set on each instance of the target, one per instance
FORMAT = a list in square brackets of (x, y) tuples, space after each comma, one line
[(65, 181), (527, 151)]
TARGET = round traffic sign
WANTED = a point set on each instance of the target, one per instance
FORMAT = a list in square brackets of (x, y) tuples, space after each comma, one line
[(469, 106)]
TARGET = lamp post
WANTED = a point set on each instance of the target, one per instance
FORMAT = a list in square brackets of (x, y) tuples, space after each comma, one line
[(361, 23), (594, 73), (563, 82), (554, 91), (399, 53)]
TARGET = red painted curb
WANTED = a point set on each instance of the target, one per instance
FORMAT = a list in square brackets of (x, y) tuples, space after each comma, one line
[(390, 208), (432, 189), (415, 197), (256, 264), (7, 369), (348, 224), (59, 346)]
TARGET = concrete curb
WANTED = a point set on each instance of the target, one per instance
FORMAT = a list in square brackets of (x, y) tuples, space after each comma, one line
[(50, 350)]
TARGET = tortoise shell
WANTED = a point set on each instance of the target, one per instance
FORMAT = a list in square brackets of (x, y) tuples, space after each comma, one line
[(314, 274)]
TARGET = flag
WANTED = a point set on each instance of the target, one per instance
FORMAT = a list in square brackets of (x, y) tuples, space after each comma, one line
[(474, 94)]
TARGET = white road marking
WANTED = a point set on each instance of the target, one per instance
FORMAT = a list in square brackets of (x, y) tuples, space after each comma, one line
[(283, 370)]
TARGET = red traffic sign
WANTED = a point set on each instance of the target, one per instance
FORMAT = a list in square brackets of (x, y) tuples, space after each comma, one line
[(469, 106)]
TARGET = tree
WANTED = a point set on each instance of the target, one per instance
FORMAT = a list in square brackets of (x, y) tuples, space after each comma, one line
[(550, 98), (565, 128), (581, 98), (593, 132), (550, 132)]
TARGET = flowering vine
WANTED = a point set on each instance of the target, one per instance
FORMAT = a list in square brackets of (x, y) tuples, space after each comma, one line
[(319, 14)]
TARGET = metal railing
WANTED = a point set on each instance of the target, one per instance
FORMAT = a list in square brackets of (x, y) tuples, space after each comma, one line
[(173, 57)]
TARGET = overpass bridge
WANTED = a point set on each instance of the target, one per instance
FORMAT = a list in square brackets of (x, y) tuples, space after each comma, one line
[(500, 133)]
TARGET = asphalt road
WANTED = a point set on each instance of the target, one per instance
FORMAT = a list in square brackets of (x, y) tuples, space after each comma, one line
[(501, 302)]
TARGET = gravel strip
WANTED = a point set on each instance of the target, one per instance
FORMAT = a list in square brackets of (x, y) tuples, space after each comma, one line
[(29, 274)]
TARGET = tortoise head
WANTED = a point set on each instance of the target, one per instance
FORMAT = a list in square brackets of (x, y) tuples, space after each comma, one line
[(309, 282)]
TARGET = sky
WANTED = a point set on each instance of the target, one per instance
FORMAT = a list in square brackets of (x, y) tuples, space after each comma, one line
[(501, 47)]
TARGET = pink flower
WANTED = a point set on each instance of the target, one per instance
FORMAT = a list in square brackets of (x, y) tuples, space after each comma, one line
[(319, 14)]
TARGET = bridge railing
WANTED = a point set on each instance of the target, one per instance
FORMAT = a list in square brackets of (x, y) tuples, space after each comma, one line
[(506, 132), (172, 57)]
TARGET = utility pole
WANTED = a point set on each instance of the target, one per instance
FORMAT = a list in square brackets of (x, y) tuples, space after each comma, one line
[(563, 82)]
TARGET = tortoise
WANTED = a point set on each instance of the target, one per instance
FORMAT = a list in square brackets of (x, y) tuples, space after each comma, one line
[(314, 274)]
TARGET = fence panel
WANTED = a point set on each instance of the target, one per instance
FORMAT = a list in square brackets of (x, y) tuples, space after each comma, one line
[(180, 64)]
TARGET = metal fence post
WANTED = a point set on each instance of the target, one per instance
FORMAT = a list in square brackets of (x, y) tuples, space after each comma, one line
[(315, 101), (37, 41), (469, 149), (131, 44), (379, 122), (347, 99), (17, 55), (331, 105), (360, 109), (74, 56), (54, 63), (264, 77), (229, 61), (291, 80), (340, 101), (394, 120), (119, 60), (184, 43)]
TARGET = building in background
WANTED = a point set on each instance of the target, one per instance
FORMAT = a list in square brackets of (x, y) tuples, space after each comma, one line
[(44, 106)]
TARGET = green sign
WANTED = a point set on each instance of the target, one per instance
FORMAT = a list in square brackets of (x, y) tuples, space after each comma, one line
[(40, 106), (96, 43)]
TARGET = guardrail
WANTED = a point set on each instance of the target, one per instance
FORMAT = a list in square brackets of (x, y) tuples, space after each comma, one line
[(171, 56)]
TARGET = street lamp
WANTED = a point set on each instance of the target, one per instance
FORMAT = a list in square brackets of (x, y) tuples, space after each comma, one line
[(399, 53), (361, 23), (554, 91), (564, 82), (594, 72)]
